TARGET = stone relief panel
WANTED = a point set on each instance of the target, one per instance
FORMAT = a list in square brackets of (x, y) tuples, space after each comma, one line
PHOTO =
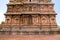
[(8, 19), (10, 9), (44, 8), (53, 20), (25, 8), (17, 8), (14, 8), (24, 20), (41, 8), (44, 19), (36, 8), (50, 7), (13, 20), (35, 19), (17, 20)]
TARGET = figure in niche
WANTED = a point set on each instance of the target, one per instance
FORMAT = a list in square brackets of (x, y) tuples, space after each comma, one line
[(44, 20), (35, 20)]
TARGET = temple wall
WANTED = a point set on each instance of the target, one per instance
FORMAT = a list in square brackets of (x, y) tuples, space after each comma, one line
[(50, 37), (26, 8), (43, 20)]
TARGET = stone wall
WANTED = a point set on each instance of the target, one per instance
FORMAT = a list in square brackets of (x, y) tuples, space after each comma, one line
[(41, 37)]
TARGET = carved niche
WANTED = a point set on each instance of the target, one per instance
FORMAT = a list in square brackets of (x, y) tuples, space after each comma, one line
[(52, 19), (10, 9), (44, 19)]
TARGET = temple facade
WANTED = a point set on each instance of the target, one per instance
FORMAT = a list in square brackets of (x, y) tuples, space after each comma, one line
[(29, 17)]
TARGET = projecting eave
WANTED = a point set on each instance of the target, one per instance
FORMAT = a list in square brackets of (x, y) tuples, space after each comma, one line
[(11, 13), (39, 12), (14, 3), (38, 3), (19, 13), (26, 3)]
